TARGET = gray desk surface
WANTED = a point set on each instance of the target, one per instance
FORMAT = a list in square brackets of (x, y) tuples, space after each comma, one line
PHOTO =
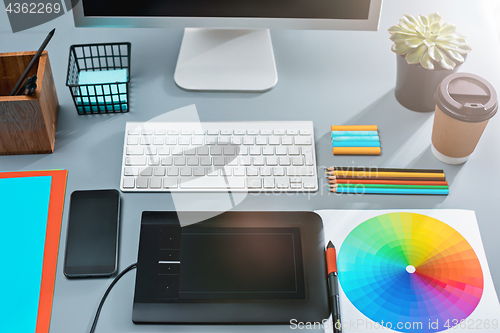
[(330, 77)]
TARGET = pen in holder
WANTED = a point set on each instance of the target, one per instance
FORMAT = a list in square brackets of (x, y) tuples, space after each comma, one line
[(98, 77), (27, 123)]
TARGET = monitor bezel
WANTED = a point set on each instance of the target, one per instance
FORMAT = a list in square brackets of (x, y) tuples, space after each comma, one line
[(370, 24)]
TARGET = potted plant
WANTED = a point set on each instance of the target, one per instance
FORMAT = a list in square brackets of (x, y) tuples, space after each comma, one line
[(427, 50)]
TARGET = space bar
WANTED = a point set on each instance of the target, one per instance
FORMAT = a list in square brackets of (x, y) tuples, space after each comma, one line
[(211, 183)]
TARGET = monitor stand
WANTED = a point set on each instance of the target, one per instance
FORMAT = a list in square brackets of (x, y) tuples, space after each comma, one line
[(226, 60)]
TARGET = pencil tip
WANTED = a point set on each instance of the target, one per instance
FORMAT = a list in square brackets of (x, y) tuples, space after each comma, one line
[(330, 245), (52, 31)]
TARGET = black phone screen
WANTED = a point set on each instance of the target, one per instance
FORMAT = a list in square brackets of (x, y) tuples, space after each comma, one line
[(92, 239)]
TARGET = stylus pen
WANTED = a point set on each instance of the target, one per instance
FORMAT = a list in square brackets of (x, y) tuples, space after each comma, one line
[(333, 286), (32, 62)]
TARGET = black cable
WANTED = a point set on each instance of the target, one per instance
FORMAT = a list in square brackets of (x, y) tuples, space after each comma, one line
[(126, 270)]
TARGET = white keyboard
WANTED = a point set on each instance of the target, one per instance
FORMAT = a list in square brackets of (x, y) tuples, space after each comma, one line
[(268, 156)]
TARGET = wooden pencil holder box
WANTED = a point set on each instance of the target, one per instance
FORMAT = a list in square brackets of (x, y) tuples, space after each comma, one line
[(27, 123)]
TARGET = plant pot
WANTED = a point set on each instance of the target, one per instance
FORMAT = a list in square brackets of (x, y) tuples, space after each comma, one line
[(416, 85)]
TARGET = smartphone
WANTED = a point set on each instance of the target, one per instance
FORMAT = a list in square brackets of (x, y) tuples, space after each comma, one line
[(92, 239)]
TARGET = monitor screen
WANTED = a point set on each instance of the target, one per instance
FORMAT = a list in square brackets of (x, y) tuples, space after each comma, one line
[(312, 9)]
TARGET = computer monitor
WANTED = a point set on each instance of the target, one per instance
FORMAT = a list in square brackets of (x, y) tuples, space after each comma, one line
[(226, 44)]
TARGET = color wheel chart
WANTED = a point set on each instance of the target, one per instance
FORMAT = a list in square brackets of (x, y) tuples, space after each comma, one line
[(406, 268)]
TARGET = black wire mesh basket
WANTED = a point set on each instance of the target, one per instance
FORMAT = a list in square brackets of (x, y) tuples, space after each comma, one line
[(98, 77)]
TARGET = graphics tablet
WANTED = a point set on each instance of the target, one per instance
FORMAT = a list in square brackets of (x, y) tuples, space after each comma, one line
[(237, 267)]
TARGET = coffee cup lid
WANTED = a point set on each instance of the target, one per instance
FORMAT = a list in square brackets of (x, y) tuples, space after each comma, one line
[(467, 97)]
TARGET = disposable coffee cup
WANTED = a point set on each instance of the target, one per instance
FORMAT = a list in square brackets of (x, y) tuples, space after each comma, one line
[(464, 104)]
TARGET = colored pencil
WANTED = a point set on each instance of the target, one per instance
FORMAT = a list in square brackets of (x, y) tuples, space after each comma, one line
[(356, 150), (356, 138), (393, 178), (390, 191), (355, 133), (355, 144), (395, 182), (388, 186), (354, 128), (383, 169), (375, 174)]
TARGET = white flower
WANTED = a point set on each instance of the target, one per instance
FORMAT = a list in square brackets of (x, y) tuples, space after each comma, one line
[(426, 40)]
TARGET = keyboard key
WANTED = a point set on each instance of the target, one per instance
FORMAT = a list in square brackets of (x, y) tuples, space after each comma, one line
[(281, 150), (147, 132), (248, 140), (230, 151), (258, 160), (184, 140), (261, 141), (160, 132), (192, 161), (135, 150), (150, 150), (268, 182), (309, 183), (253, 132), (197, 140), (136, 160), (172, 171), (190, 151), (186, 171), (167, 160), (203, 150), (279, 171), (300, 171), (236, 140), (170, 140), (155, 183), (128, 171), (296, 185), (128, 182), (226, 132), (134, 131), (287, 140), (284, 160), (177, 151), (245, 160), (254, 182), (134, 140), (266, 171), (158, 140), (294, 150), (224, 140), (205, 160), (266, 132), (297, 160), (281, 183), (218, 160), (198, 171), (146, 172), (306, 140), (274, 140), (305, 132), (145, 140), (252, 171), (185, 132), (279, 132), (267, 150), (254, 150), (216, 150), (210, 140), (172, 132), (154, 161), (295, 180), (239, 132), (163, 151), (142, 182), (238, 171), (232, 161), (159, 171), (199, 132), (212, 183), (179, 160), (213, 132), (169, 182), (292, 132), (272, 160)]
